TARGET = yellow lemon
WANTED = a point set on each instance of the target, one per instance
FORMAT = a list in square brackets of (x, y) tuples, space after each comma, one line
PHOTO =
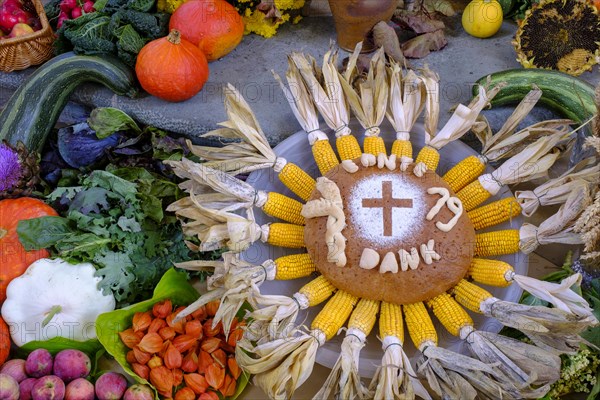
[(482, 18)]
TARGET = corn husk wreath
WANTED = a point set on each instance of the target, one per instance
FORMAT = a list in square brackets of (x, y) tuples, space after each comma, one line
[(281, 354)]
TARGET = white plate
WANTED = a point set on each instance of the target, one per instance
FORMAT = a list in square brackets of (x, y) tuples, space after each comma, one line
[(296, 149)]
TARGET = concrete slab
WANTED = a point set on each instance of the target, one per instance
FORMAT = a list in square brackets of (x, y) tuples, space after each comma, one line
[(461, 63)]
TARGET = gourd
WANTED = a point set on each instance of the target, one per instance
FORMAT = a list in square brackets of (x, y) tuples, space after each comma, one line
[(171, 68), (55, 299), (570, 97), (15, 259), (34, 108)]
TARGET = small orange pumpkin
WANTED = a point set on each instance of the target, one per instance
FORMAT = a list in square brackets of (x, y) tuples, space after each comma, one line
[(171, 68), (213, 25), (14, 260)]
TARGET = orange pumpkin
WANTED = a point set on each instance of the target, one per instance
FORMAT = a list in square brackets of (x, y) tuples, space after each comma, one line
[(13, 257), (4, 341), (213, 25), (171, 68)]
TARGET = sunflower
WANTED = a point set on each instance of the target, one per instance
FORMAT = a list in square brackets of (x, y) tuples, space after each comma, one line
[(352, 225), (559, 34)]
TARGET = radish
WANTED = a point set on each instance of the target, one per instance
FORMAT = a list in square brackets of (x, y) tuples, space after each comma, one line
[(76, 12), (88, 6)]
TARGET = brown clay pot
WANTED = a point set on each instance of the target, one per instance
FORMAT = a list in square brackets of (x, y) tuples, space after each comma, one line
[(355, 18)]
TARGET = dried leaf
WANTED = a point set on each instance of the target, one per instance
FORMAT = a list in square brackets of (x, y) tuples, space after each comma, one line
[(441, 6), (419, 23), (385, 36), (422, 45)]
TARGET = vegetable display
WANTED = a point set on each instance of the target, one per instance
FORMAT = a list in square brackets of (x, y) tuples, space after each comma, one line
[(114, 220), (15, 258), (34, 108), (172, 68), (67, 307)]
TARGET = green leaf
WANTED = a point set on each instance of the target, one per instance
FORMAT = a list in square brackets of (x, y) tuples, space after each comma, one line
[(129, 225), (107, 120), (129, 41), (43, 232), (173, 285), (90, 34), (108, 181), (140, 5), (56, 344), (82, 246)]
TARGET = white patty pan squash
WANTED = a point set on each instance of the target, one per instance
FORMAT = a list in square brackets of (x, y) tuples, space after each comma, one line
[(54, 298)]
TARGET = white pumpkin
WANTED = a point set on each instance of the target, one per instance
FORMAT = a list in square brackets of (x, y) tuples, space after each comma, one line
[(55, 299)]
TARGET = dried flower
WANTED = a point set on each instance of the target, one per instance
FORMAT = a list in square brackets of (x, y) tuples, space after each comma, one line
[(155, 362), (190, 362), (162, 379), (194, 329), (185, 394), (141, 356), (210, 344), (215, 376), (173, 358), (184, 342), (143, 371), (234, 369), (196, 382), (151, 343), (141, 321), (129, 338), (10, 167), (177, 376), (162, 309)]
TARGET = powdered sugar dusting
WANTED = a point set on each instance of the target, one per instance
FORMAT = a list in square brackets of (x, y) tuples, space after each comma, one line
[(407, 222)]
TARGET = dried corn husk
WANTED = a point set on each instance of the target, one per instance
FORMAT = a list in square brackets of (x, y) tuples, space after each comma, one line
[(510, 125), (300, 101), (232, 193), (344, 381), (218, 229), (407, 100), (549, 328), (240, 284), (455, 376), (251, 154), (559, 228), (275, 315), (532, 162), (368, 94), (560, 295), (523, 369), (431, 82), (396, 378), (557, 190), (328, 96), (280, 366)]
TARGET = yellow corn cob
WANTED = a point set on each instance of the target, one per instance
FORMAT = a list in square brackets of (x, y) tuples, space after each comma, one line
[(294, 266), (490, 272), (470, 295), (317, 291), (284, 208), (364, 315), (497, 243), (374, 145), (348, 147), (450, 313), (429, 156), (324, 156), (298, 181), (464, 173), (286, 235), (332, 317), (494, 213), (419, 324), (390, 321), (473, 195), (402, 148)]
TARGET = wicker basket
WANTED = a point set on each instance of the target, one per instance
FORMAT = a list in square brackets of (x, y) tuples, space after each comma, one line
[(23, 51)]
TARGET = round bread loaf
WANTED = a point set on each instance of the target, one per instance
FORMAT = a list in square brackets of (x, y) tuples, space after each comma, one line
[(386, 211)]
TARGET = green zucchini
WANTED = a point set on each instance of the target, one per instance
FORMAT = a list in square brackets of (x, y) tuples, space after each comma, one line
[(32, 111), (566, 95)]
